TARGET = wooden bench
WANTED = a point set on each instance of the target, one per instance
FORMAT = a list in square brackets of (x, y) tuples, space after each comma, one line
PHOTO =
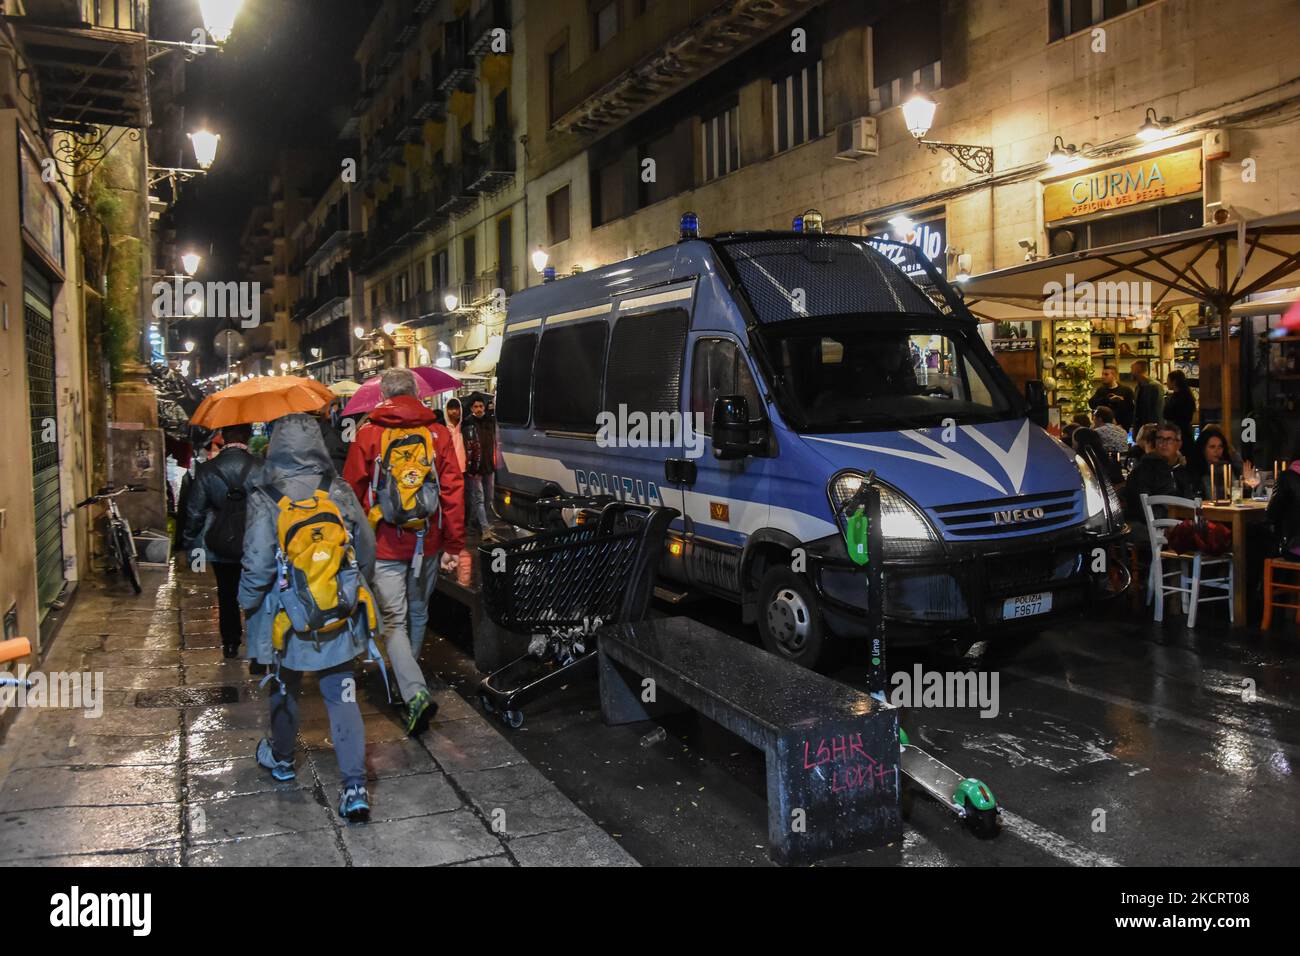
[(831, 751)]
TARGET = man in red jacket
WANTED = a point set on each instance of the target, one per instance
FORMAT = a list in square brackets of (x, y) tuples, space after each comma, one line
[(401, 587)]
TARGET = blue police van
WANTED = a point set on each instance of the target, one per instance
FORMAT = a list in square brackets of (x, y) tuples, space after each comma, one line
[(752, 381)]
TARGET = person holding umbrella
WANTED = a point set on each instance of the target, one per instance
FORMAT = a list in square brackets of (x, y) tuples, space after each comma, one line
[(402, 446), (215, 507)]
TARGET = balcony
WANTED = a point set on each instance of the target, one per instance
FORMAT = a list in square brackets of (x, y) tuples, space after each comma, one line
[(495, 163), (460, 195), (426, 102), (675, 45), (492, 15), (453, 69), (91, 60), (480, 290)]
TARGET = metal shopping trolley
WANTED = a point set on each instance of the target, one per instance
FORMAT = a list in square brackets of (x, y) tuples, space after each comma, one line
[(560, 587)]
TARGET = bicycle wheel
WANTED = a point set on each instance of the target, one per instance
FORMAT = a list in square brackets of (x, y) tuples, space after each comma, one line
[(126, 560)]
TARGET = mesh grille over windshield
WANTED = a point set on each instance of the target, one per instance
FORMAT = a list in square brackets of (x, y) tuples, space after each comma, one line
[(805, 276)]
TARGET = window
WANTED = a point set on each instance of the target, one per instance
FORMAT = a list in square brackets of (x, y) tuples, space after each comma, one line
[(569, 363), (505, 255), (403, 288), (514, 379), (720, 142), (440, 273), (557, 67), (604, 24), (673, 167), (906, 45), (797, 108), (469, 258), (1071, 16), (607, 193), (719, 370), (557, 216), (645, 362)]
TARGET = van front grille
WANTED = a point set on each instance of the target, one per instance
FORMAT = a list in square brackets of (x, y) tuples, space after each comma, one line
[(1009, 516)]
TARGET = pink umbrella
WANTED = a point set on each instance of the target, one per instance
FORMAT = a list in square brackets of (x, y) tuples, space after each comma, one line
[(437, 379), (368, 395)]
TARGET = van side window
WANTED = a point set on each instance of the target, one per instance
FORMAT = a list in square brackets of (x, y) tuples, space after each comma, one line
[(720, 369), (515, 379), (566, 390), (645, 362)]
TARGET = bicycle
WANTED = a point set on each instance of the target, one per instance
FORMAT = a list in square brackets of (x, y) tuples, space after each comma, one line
[(119, 531)]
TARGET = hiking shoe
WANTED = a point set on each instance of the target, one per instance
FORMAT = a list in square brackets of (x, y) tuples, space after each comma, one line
[(281, 770), (419, 711), (354, 805)]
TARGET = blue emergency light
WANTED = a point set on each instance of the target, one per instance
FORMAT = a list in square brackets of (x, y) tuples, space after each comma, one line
[(690, 226), (548, 274), (797, 225)]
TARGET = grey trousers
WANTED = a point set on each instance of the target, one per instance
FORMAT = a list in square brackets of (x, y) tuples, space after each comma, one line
[(338, 686), (404, 602)]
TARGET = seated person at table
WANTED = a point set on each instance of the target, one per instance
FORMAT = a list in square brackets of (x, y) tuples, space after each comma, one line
[(1113, 438), (1144, 442), (1212, 452), (1284, 509), (1163, 472)]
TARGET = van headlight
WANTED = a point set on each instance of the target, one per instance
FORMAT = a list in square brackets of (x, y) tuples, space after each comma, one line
[(904, 529), (1099, 498)]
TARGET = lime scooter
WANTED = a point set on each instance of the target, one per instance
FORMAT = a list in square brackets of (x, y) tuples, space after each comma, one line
[(968, 799)]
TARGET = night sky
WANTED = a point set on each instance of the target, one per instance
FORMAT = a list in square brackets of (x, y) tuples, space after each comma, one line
[(285, 78)]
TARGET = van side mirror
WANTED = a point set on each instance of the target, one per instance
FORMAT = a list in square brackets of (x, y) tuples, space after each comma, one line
[(734, 434), (1036, 399)]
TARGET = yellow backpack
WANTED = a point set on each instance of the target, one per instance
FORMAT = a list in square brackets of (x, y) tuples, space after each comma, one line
[(404, 489), (320, 587)]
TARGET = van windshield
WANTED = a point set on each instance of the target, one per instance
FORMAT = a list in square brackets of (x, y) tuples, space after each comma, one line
[(858, 374)]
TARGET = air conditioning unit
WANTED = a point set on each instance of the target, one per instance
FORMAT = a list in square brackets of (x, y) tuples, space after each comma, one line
[(856, 139)]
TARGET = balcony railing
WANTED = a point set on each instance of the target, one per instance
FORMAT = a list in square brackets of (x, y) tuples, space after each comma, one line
[(453, 69), (492, 15), (494, 162)]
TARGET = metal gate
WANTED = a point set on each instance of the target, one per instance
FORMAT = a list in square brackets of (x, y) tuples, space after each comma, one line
[(38, 326)]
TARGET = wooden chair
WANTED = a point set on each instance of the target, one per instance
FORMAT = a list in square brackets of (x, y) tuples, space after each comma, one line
[(1271, 566), (1192, 564)]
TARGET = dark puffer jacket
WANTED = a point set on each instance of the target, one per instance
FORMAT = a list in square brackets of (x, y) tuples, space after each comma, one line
[(207, 493), (1284, 511)]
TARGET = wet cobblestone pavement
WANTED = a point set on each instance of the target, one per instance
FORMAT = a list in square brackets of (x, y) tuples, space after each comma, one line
[(165, 775)]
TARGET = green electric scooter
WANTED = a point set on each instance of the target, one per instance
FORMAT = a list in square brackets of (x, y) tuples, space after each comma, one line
[(968, 799)]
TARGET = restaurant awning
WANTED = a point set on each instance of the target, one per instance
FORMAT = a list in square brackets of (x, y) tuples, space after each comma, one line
[(486, 360), (1217, 265)]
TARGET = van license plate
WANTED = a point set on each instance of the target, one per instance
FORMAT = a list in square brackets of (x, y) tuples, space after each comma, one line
[(1026, 605)]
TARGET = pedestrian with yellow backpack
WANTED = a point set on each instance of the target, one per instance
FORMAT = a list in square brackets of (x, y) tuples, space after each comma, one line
[(308, 555), (405, 473)]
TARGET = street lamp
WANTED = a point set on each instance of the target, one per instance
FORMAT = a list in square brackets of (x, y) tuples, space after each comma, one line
[(194, 306), (191, 262), (918, 114), (390, 328), (450, 301), (1152, 128), (219, 17), (540, 258), (205, 145), (189, 345)]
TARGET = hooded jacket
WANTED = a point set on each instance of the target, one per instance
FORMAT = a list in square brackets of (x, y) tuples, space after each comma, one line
[(207, 493), (296, 460), (448, 532)]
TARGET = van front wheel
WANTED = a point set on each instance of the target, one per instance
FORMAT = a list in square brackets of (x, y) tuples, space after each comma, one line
[(789, 622)]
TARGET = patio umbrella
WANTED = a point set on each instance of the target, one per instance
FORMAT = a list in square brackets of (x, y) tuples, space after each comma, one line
[(346, 388), (261, 400), (368, 396), (438, 379)]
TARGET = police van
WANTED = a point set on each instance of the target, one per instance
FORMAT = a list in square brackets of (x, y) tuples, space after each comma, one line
[(752, 381)]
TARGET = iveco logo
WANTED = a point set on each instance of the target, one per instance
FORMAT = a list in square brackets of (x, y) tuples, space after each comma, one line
[(1017, 515)]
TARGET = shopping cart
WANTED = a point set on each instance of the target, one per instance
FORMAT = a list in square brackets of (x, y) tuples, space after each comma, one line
[(560, 587)]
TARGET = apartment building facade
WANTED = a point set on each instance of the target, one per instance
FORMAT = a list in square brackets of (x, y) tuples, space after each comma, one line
[(750, 113), (439, 118), (325, 253)]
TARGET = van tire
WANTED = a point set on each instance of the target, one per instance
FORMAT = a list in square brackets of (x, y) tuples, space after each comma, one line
[(790, 622)]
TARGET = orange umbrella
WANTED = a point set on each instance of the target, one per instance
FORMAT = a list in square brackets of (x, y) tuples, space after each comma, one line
[(261, 400)]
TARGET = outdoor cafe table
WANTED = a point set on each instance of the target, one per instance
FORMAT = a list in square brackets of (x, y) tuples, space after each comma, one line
[(1236, 517)]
